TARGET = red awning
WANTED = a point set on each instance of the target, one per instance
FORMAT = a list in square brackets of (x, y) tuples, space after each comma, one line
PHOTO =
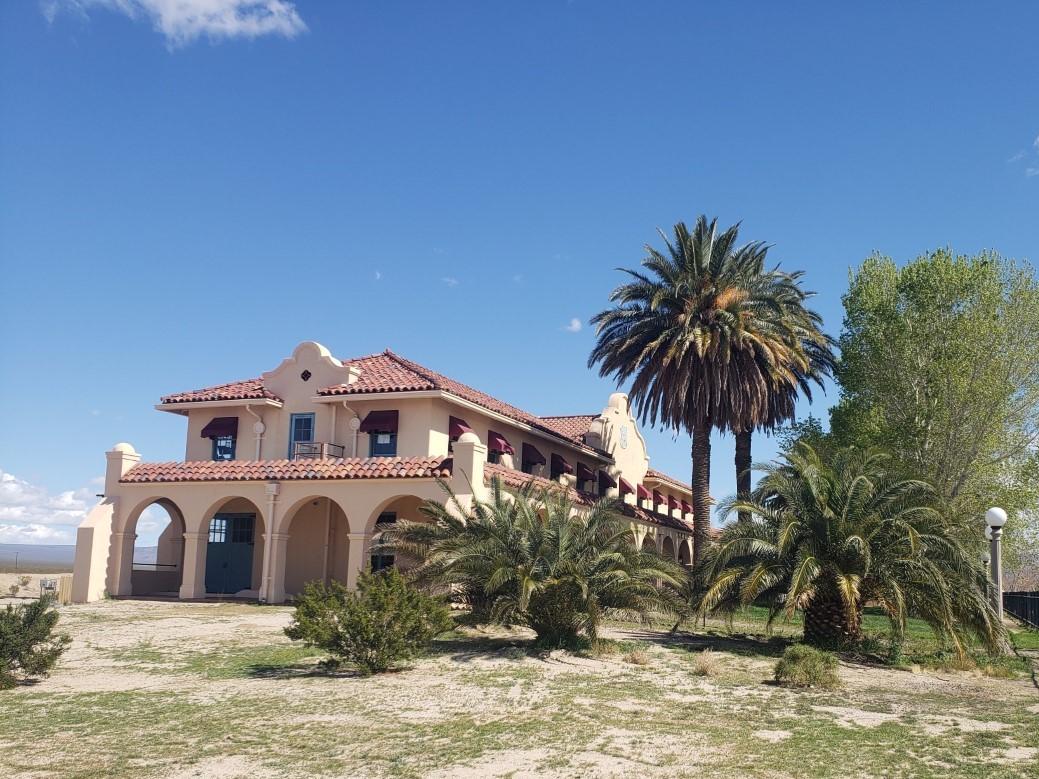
[(560, 465), (658, 498), (380, 422), (672, 502), (642, 492), (686, 508), (496, 442), (626, 488), (531, 455), (221, 427), (584, 474), (456, 426), (606, 481)]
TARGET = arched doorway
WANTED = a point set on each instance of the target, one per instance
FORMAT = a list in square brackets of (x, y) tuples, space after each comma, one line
[(234, 548), (406, 507), (151, 561), (667, 548), (684, 555), (649, 543), (318, 544)]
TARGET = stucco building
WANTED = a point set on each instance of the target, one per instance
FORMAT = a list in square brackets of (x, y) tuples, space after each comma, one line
[(289, 477)]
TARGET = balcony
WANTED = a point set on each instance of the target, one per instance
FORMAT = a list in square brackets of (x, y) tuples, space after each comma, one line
[(317, 450)]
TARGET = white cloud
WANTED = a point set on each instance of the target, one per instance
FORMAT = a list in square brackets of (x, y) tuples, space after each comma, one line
[(1017, 157), (451, 281), (1035, 143), (1031, 172), (184, 21), (378, 275), (574, 326), (32, 515)]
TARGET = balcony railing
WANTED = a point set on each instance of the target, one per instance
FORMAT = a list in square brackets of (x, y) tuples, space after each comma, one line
[(317, 450)]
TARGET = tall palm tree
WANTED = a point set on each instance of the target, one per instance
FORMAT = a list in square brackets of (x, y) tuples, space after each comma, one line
[(829, 537), (703, 332), (530, 560), (815, 361)]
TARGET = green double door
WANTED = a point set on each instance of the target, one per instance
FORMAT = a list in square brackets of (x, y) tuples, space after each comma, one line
[(229, 554)]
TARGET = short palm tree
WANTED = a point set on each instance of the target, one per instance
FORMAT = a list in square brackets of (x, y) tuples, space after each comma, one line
[(705, 335), (529, 559), (827, 538)]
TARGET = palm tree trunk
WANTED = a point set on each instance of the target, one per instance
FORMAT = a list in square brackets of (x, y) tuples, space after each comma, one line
[(828, 624), (701, 489), (743, 460)]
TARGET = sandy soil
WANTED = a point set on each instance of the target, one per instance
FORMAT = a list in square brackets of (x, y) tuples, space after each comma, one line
[(656, 720), (31, 591)]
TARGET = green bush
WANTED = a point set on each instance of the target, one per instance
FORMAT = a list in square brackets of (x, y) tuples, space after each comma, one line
[(385, 622), (805, 666), (28, 646)]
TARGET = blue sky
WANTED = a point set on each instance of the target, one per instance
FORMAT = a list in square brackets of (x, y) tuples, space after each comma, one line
[(382, 174)]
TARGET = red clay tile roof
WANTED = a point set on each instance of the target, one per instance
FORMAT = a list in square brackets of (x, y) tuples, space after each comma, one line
[(514, 479), (234, 390), (574, 426), (287, 470), (389, 372), (660, 476)]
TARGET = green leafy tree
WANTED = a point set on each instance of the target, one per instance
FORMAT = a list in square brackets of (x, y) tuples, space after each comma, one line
[(939, 367), (709, 340), (530, 559), (28, 645), (385, 622), (829, 536)]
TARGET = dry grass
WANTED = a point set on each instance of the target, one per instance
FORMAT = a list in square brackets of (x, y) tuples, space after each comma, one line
[(216, 690), (706, 663)]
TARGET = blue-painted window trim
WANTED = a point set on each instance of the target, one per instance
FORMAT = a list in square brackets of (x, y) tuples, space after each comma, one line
[(292, 431)]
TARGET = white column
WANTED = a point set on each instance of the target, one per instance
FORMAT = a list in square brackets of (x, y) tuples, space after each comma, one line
[(356, 554), (193, 581), (278, 543)]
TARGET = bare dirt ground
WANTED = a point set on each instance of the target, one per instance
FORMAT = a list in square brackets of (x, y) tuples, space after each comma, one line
[(30, 591), (160, 689)]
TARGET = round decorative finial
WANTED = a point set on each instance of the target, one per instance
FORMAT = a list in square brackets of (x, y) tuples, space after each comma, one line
[(469, 438), (995, 517), (125, 448)]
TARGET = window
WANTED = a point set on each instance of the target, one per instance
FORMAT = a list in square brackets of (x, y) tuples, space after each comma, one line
[(218, 530), (381, 562), (382, 444), (494, 456), (223, 447), (301, 430)]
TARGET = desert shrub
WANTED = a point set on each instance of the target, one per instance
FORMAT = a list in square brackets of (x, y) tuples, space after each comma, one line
[(23, 581), (13, 590), (383, 623), (805, 666), (28, 645), (637, 655), (705, 663)]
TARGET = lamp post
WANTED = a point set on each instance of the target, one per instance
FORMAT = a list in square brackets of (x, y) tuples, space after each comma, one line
[(995, 518)]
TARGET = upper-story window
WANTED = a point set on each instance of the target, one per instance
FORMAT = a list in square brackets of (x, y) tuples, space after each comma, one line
[(456, 427), (223, 432), (301, 431), (532, 458), (497, 445), (381, 427), (223, 447)]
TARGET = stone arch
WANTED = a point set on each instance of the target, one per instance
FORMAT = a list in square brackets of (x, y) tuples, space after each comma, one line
[(649, 543), (406, 506), (685, 552), (164, 574), (667, 548), (318, 542)]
